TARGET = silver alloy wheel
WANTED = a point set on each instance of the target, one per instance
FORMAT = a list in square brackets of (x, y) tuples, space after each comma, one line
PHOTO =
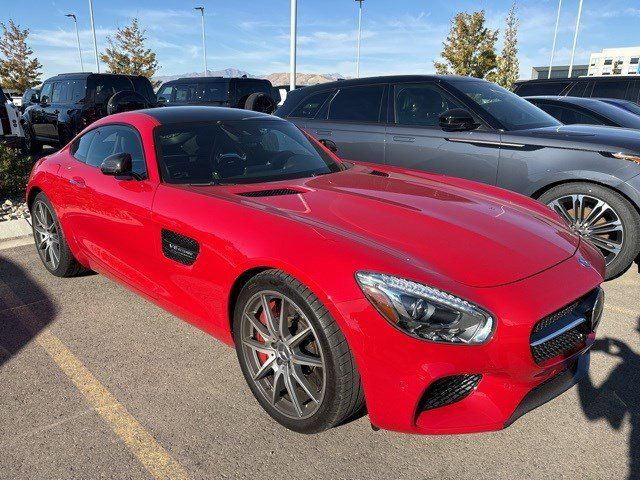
[(593, 219), (47, 235), (283, 354)]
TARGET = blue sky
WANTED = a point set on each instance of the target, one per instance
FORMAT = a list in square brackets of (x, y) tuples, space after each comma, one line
[(398, 36)]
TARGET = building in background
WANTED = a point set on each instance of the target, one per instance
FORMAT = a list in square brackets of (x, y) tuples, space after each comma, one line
[(559, 71), (615, 61)]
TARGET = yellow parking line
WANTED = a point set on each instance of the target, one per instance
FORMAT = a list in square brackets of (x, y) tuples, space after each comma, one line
[(141, 443)]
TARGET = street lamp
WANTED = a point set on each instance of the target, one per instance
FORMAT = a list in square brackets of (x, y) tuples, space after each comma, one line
[(292, 45), (204, 43), (93, 30), (575, 38), (75, 21), (555, 35), (359, 35)]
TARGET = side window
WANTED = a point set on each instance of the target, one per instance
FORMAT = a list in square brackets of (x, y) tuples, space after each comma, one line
[(357, 104), (80, 147), (45, 95), (77, 90), (311, 105), (60, 92), (112, 139), (615, 89), (421, 104), (568, 115), (164, 94)]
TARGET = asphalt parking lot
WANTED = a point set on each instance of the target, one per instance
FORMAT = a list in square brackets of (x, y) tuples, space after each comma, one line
[(96, 382)]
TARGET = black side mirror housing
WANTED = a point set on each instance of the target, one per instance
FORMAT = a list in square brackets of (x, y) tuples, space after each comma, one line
[(330, 144), (34, 98), (457, 120), (118, 165)]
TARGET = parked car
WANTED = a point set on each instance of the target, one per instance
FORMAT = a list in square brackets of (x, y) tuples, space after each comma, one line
[(588, 111), (620, 87), (239, 92), (69, 102), (474, 129), (451, 306), (31, 96), (10, 130)]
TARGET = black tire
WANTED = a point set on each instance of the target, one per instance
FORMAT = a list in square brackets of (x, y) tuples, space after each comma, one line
[(343, 395), (67, 266), (627, 214), (30, 145), (260, 102), (126, 101)]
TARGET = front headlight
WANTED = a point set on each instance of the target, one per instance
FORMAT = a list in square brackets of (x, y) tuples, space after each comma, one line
[(425, 312)]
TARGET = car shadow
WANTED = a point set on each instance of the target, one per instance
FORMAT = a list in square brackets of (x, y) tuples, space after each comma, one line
[(25, 309), (618, 396)]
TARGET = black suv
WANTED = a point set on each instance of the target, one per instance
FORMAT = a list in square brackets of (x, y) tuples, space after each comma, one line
[(620, 87), (237, 92), (70, 101)]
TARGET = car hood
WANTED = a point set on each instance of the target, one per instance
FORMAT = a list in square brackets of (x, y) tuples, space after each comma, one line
[(582, 137), (469, 237)]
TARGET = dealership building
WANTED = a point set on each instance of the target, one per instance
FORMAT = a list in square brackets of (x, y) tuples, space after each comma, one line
[(615, 61)]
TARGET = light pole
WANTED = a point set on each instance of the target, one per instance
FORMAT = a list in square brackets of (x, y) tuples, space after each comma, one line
[(575, 38), (93, 30), (292, 45), (359, 36), (75, 21), (204, 43), (555, 35)]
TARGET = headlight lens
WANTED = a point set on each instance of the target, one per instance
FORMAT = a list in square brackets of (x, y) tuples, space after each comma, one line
[(425, 312)]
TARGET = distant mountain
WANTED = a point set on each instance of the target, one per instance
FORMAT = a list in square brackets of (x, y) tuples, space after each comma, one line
[(275, 78)]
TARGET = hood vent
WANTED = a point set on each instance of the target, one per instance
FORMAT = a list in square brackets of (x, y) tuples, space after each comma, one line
[(271, 193), (378, 173)]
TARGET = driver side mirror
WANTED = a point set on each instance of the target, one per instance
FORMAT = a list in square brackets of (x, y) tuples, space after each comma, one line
[(119, 164), (34, 98), (457, 120), (330, 144)]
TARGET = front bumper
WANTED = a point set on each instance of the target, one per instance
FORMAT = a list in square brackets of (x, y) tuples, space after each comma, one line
[(397, 370)]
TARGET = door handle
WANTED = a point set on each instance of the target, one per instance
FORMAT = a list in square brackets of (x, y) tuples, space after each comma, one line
[(324, 133), (77, 182), (403, 138)]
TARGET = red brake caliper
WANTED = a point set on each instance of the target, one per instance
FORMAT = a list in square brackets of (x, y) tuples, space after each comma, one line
[(263, 319)]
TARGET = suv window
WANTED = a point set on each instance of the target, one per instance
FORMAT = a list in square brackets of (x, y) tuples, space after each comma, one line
[(421, 104), (358, 104), (310, 105), (540, 88), (45, 95), (60, 91), (105, 86), (193, 92), (615, 89), (112, 139)]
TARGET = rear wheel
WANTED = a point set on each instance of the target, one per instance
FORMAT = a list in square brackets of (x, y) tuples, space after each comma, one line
[(260, 102), (50, 240), (30, 145), (601, 216), (293, 354)]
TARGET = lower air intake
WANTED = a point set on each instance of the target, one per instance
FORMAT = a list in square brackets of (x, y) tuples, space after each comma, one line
[(448, 390)]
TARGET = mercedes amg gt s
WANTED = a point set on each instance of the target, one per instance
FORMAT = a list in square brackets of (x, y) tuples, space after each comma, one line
[(440, 304)]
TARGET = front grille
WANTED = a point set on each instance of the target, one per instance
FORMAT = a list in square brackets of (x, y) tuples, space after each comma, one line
[(561, 342), (271, 193), (448, 390)]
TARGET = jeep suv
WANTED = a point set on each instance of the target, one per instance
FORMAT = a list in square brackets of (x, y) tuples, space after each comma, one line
[(69, 102), (248, 93)]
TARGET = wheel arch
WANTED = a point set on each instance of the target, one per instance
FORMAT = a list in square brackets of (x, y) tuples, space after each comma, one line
[(31, 195), (237, 286)]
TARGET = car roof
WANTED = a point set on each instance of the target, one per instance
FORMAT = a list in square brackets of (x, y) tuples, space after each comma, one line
[(194, 113), (62, 76), (212, 79), (584, 101), (389, 79)]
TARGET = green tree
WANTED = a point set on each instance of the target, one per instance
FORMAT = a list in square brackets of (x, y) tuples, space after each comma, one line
[(17, 69), (508, 67), (127, 53), (469, 48)]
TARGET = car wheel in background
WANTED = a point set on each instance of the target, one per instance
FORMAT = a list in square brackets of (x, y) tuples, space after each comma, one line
[(30, 145), (126, 101), (260, 102), (601, 216), (50, 241), (293, 354)]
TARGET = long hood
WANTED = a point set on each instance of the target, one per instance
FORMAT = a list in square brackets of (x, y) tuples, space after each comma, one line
[(473, 238), (583, 137)]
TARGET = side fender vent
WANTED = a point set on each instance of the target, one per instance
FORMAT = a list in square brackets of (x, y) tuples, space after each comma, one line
[(179, 248), (271, 193)]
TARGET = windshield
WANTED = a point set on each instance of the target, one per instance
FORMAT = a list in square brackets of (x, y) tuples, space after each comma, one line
[(512, 111), (238, 151)]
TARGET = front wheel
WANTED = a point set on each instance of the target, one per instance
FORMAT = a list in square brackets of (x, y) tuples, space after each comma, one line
[(601, 216), (293, 354)]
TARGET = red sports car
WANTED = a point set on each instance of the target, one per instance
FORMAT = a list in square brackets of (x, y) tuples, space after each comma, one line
[(443, 305)]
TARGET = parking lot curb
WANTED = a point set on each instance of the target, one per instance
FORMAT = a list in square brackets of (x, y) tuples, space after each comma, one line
[(15, 229)]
